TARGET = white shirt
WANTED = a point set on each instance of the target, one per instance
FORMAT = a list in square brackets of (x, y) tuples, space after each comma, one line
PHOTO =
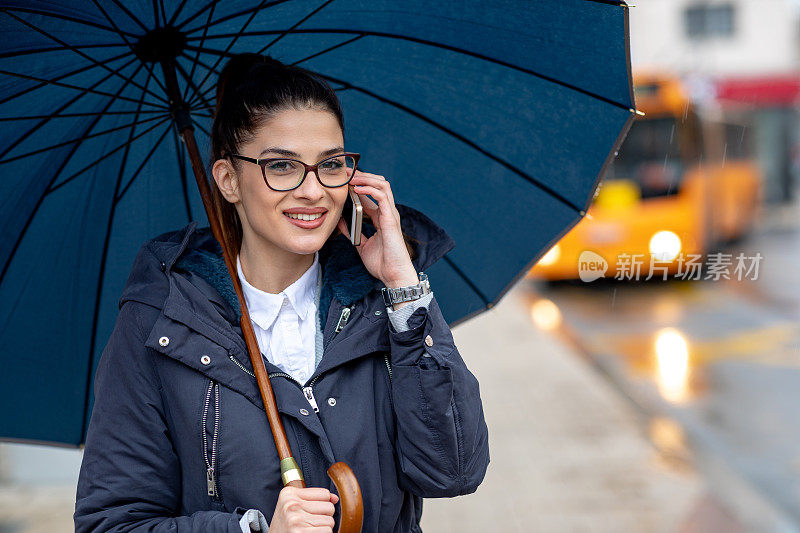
[(284, 323)]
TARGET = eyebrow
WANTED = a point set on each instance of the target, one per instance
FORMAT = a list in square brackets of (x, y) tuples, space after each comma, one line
[(289, 153)]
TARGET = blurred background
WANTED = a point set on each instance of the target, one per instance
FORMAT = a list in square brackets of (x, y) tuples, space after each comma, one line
[(655, 350)]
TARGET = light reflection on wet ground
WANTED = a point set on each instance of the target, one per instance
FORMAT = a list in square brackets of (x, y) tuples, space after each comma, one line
[(721, 357)]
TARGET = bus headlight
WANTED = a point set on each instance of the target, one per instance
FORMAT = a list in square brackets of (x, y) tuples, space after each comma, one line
[(665, 245), (551, 256)]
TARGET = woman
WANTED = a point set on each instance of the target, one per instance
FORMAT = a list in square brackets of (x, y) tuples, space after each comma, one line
[(179, 439)]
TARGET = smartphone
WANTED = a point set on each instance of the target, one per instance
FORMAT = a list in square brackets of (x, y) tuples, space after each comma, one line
[(352, 213)]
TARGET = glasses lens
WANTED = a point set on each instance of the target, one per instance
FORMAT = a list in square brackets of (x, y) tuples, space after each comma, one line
[(283, 174), (336, 171)]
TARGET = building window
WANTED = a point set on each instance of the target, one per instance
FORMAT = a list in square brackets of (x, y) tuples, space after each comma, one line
[(709, 20)]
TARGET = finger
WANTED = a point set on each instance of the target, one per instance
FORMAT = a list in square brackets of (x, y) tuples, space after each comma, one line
[(319, 530), (369, 204), (376, 181), (316, 520), (317, 507), (314, 493), (384, 203)]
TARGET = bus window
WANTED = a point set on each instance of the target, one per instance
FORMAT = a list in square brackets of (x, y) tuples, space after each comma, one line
[(650, 156)]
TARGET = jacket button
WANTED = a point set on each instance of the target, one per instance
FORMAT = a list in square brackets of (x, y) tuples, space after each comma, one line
[(205, 359), (377, 313), (304, 412), (429, 340), (163, 341), (331, 401)]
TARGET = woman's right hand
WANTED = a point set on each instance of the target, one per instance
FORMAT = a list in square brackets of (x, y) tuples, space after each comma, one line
[(306, 510)]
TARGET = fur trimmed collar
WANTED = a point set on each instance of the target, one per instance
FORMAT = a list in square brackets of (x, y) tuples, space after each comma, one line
[(343, 273)]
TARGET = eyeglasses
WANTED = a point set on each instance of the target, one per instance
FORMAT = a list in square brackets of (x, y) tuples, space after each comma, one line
[(287, 174)]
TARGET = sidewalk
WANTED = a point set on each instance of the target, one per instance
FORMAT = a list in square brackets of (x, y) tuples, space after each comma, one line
[(567, 453)]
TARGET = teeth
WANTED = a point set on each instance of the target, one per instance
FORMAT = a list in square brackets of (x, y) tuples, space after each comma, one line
[(300, 216)]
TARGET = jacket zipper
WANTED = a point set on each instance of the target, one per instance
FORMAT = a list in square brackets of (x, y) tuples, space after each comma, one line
[(240, 365), (211, 478), (389, 369), (308, 391), (456, 420)]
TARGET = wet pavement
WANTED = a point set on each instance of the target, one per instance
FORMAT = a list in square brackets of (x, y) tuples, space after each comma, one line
[(719, 360)]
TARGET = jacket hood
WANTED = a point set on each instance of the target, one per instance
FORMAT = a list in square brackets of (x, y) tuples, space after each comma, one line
[(195, 252)]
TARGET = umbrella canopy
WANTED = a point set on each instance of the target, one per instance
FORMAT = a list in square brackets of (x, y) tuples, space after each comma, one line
[(496, 119)]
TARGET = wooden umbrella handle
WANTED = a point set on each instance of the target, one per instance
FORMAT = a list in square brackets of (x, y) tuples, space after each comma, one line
[(352, 506)]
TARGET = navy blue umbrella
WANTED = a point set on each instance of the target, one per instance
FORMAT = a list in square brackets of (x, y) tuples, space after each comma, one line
[(496, 119)]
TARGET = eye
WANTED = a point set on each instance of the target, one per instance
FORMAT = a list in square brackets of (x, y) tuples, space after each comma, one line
[(280, 165), (332, 164)]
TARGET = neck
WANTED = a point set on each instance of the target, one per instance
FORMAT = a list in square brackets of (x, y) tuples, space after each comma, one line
[(272, 270)]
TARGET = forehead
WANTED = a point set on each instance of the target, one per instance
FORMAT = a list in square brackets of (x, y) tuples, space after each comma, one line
[(307, 132)]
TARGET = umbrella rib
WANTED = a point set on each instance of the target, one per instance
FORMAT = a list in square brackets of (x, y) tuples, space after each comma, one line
[(190, 84), (555, 194), (329, 49), (197, 55), (466, 279), (41, 198), (83, 90), (104, 156), (205, 92), (102, 269), (61, 17), (19, 53), (230, 44), (130, 45), (74, 115), (195, 15), (293, 26), (67, 104), (252, 10), (77, 140), (425, 42), (86, 56), (141, 166), (62, 76), (133, 17), (179, 152), (177, 12), (201, 128)]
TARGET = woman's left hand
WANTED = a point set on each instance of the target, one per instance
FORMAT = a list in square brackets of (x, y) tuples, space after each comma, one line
[(384, 254)]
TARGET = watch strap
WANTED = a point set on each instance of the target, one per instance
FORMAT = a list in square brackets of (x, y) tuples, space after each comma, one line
[(407, 294)]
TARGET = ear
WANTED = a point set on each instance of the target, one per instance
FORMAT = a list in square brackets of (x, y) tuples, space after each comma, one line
[(226, 179)]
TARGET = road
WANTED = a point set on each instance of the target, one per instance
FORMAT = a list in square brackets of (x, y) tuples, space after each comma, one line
[(718, 359)]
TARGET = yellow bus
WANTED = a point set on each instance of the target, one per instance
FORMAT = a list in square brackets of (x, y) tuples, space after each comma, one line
[(679, 186)]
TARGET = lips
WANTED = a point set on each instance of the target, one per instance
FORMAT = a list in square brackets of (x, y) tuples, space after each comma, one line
[(303, 219)]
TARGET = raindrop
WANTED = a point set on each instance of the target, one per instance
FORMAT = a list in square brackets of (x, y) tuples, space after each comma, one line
[(724, 154)]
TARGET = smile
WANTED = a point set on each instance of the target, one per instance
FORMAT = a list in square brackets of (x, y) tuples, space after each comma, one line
[(300, 216)]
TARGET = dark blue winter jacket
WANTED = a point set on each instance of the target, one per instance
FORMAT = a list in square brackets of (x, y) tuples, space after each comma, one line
[(409, 426)]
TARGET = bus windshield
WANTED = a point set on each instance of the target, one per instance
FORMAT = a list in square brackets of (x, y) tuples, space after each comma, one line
[(650, 157)]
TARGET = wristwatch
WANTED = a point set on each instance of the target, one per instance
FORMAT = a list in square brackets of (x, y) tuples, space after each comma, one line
[(407, 294)]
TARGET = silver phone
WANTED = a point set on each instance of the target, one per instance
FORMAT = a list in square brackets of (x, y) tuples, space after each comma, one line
[(352, 213)]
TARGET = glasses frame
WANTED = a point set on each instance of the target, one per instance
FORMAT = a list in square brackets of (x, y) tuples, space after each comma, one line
[(307, 168)]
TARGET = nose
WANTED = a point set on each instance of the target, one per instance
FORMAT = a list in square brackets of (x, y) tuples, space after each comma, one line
[(311, 189)]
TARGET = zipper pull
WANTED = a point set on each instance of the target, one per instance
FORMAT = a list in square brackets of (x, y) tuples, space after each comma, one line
[(342, 319), (310, 397), (210, 483)]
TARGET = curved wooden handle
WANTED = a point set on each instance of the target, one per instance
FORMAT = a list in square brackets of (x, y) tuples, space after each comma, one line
[(352, 515)]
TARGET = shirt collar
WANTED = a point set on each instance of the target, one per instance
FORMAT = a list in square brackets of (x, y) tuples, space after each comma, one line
[(264, 306)]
